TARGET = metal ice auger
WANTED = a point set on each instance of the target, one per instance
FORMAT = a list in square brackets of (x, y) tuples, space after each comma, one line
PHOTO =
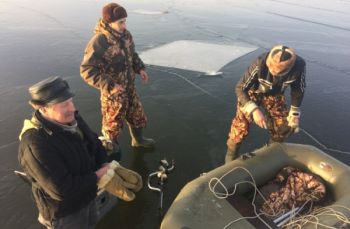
[(162, 174)]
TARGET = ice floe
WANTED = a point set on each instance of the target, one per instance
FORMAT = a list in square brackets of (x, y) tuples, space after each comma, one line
[(195, 55)]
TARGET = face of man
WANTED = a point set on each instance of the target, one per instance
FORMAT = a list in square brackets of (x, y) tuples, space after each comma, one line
[(119, 26), (62, 112)]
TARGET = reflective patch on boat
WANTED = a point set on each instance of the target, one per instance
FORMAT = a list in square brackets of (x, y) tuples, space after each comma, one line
[(326, 166)]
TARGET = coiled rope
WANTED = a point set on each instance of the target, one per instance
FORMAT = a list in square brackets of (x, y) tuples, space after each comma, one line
[(295, 221)]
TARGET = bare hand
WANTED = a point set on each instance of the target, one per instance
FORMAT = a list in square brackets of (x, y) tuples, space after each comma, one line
[(117, 89), (102, 171), (259, 118), (144, 76)]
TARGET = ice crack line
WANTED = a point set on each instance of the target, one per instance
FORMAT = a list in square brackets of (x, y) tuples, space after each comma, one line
[(309, 21), (185, 79)]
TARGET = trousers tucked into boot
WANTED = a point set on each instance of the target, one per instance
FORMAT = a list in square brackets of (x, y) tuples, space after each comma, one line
[(138, 140)]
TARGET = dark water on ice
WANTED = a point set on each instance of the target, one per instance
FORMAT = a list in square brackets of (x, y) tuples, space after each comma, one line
[(43, 38)]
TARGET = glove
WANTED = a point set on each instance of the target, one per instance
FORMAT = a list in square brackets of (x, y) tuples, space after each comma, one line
[(132, 179), (293, 117), (120, 181), (106, 143), (115, 185), (112, 148)]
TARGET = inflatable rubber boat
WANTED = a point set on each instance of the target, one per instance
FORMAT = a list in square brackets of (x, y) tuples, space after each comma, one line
[(197, 207)]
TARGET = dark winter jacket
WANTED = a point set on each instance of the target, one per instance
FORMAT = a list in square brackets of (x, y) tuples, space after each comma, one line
[(60, 164), (258, 80)]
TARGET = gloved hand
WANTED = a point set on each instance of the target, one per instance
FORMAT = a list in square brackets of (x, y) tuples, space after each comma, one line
[(115, 185), (120, 181), (114, 152), (106, 143), (132, 179), (293, 117)]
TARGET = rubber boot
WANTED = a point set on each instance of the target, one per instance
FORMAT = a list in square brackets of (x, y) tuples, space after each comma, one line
[(137, 139), (232, 150)]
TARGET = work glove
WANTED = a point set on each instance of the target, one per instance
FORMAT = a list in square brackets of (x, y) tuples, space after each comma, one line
[(133, 179), (120, 182), (106, 143), (113, 149), (293, 117)]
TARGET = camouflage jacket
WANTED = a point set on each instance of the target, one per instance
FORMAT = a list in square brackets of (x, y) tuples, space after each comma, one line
[(110, 59), (257, 79)]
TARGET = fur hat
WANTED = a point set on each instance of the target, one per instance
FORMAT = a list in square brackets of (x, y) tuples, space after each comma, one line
[(280, 60), (49, 91), (113, 12)]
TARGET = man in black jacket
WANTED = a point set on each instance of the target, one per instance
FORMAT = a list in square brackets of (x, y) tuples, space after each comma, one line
[(62, 157), (260, 95)]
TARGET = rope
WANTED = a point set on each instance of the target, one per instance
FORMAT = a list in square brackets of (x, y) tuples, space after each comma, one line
[(294, 221), (226, 194), (185, 79), (313, 217), (215, 97), (191, 83), (322, 145)]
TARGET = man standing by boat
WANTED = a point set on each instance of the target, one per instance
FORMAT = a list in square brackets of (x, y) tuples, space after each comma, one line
[(260, 95), (63, 159), (110, 64)]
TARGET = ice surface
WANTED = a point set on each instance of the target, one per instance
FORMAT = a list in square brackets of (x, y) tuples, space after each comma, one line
[(195, 55), (149, 12)]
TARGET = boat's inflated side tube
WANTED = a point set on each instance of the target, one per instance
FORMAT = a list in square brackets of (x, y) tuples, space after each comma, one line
[(197, 207)]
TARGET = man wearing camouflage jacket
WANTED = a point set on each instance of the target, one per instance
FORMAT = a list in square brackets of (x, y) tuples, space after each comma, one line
[(110, 64), (260, 94)]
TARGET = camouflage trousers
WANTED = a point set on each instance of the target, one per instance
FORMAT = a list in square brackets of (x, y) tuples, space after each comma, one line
[(120, 107), (276, 113), (295, 189)]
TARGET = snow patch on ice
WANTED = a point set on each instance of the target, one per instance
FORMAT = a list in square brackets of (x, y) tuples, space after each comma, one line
[(195, 55)]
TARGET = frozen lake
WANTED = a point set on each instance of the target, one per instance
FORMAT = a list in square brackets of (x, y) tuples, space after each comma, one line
[(189, 115)]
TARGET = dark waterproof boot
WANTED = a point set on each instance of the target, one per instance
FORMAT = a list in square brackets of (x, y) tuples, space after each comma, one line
[(232, 151), (137, 139)]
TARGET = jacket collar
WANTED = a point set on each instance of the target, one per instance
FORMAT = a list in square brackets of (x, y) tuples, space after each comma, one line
[(104, 28), (49, 127)]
